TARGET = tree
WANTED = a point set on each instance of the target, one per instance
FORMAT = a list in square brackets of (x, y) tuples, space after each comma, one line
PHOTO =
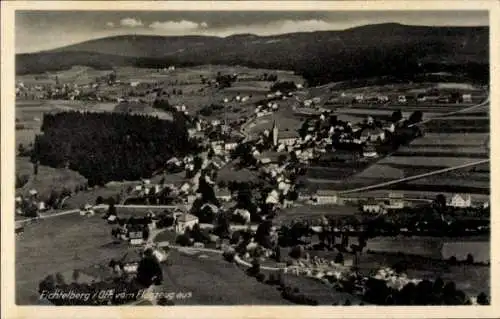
[(416, 117), (400, 267), (254, 269), (76, 275), (183, 240), (296, 252), (99, 201), (440, 201), (48, 284), (396, 116), (149, 270), (261, 277), (262, 234), (222, 229), (277, 253), (470, 259), (339, 259), (111, 209), (438, 286), (482, 299), (60, 279)]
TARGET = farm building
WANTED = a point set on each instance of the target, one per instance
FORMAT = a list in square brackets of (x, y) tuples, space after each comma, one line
[(184, 222), (460, 200), (326, 197), (467, 98), (401, 99), (371, 206)]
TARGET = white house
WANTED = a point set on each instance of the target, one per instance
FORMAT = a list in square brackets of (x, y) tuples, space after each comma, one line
[(396, 200), (359, 98), (458, 200), (326, 197), (135, 237), (372, 207), (224, 195), (466, 98), (369, 151), (184, 222)]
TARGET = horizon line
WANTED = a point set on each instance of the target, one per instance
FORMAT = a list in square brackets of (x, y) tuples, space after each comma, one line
[(252, 34)]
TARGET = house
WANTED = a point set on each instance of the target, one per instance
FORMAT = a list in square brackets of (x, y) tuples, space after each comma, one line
[(460, 200), (369, 151), (401, 99), (184, 222), (359, 98), (224, 195), (372, 207), (326, 197), (467, 98), (135, 237), (396, 200), (382, 98), (374, 134)]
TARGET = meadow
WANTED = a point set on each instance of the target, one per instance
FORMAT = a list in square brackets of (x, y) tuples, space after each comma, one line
[(58, 245)]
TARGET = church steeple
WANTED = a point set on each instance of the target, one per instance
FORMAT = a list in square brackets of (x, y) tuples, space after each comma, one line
[(275, 133)]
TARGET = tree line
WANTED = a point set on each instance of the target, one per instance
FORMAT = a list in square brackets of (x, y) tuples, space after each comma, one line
[(109, 146)]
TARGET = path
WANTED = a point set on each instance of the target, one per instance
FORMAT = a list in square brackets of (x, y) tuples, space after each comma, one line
[(410, 178)]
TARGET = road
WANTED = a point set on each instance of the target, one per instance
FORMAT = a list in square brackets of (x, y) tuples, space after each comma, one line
[(410, 178)]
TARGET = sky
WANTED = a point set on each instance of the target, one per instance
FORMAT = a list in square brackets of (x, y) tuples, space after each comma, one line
[(44, 30)]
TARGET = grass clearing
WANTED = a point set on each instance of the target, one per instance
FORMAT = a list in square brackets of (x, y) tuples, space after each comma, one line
[(48, 178), (58, 245), (216, 282)]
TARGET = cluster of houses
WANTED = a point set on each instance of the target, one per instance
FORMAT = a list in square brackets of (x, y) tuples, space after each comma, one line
[(430, 96)]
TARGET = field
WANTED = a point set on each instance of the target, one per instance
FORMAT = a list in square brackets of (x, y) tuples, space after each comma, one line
[(72, 242), (213, 281), (48, 178), (58, 245), (77, 74), (29, 114), (314, 212), (471, 279), (438, 248), (315, 289)]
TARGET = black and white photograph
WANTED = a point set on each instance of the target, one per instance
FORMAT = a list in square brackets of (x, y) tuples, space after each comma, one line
[(268, 158)]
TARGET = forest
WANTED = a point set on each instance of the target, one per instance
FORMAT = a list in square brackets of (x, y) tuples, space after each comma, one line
[(107, 147)]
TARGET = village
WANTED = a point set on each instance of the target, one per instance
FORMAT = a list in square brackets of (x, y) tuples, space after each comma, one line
[(244, 195)]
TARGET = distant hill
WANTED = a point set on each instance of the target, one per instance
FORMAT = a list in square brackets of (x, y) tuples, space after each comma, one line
[(372, 50)]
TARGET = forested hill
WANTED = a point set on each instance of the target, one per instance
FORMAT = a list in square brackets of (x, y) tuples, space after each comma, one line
[(372, 50)]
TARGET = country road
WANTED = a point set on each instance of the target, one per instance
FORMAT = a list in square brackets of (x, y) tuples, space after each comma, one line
[(410, 178)]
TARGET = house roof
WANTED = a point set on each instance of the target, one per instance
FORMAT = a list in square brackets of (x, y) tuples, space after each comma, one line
[(288, 134), (326, 192), (271, 155), (462, 196), (372, 131), (184, 218)]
